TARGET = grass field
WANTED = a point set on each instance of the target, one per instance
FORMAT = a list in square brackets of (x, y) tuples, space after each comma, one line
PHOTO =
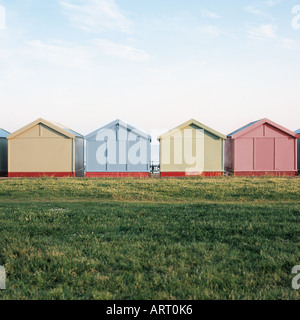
[(219, 238)]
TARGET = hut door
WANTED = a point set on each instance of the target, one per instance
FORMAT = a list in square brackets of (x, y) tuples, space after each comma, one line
[(264, 154), (285, 154)]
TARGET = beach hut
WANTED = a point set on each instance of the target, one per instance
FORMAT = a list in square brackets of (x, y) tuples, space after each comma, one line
[(192, 149), (260, 148), (43, 148), (118, 150), (3, 152), (298, 153)]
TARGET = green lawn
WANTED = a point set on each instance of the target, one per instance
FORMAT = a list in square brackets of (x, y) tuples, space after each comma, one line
[(220, 238)]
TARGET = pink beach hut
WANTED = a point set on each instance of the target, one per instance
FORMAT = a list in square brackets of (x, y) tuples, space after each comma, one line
[(260, 148)]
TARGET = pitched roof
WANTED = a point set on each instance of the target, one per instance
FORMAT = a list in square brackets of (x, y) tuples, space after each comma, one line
[(122, 124), (3, 133), (76, 134), (196, 123), (64, 131), (255, 124), (243, 128)]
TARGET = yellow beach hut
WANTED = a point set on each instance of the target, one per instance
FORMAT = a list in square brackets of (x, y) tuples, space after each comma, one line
[(192, 149), (43, 148)]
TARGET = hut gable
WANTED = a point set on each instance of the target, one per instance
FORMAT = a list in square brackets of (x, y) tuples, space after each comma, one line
[(262, 128), (193, 124), (114, 126), (41, 128), (47, 132), (29, 133)]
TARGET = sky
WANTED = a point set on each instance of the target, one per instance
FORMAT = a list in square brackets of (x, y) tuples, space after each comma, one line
[(152, 63)]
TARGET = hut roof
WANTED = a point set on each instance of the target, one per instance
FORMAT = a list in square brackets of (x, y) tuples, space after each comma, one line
[(255, 124), (76, 134), (56, 127), (3, 133), (121, 124), (196, 123)]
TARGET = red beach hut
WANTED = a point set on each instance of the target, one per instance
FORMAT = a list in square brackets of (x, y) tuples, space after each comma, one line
[(260, 148)]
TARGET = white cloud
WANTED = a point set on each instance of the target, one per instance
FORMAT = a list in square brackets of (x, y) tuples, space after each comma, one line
[(287, 43), (60, 54), (258, 12), (96, 15), (212, 30), (121, 51), (64, 55), (251, 9), (263, 32), (268, 32), (272, 3), (210, 14)]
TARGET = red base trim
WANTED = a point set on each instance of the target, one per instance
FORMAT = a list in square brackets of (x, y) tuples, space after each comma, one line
[(264, 173), (117, 174), (192, 174), (40, 174)]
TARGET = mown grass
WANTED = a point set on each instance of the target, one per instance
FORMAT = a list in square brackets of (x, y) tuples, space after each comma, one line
[(150, 239), (153, 190)]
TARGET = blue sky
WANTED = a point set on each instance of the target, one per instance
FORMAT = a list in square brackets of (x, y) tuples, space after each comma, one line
[(153, 63)]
